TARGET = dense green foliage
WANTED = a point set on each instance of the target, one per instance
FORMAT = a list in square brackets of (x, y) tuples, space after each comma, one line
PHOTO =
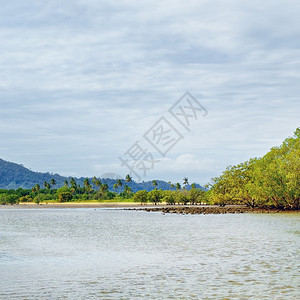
[(270, 181), (86, 193), (99, 191)]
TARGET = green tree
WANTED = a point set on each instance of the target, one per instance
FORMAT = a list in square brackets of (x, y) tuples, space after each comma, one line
[(127, 193), (73, 182), (154, 183), (119, 183), (64, 196), (185, 182), (38, 199), (87, 186), (9, 199), (194, 196), (141, 196), (94, 181), (128, 178), (26, 198), (155, 196), (98, 183), (37, 188), (104, 188), (73, 185), (127, 189), (169, 197), (182, 197), (53, 182), (270, 181)]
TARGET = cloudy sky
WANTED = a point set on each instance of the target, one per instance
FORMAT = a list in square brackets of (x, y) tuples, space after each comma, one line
[(81, 81)]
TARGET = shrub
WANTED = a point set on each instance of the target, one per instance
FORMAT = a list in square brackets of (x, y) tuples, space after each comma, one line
[(64, 197)]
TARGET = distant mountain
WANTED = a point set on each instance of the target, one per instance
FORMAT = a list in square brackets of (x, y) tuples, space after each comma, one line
[(13, 176)]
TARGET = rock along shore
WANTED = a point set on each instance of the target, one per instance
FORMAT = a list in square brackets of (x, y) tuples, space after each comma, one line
[(232, 209)]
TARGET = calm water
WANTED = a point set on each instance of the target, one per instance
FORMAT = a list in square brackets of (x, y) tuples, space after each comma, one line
[(114, 254)]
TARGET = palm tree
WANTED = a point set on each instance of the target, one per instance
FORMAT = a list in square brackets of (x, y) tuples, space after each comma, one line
[(127, 189), (72, 181), (98, 183), (37, 198), (185, 181), (73, 185), (86, 183), (66, 183), (45, 184), (37, 187), (94, 181), (119, 183), (128, 178), (53, 182), (104, 188), (178, 186), (154, 183)]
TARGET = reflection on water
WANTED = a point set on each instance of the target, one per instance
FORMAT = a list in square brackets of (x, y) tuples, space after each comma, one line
[(115, 254)]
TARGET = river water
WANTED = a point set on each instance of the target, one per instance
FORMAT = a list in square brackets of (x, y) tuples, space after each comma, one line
[(115, 254)]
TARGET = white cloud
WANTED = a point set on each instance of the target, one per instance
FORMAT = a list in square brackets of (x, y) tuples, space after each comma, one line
[(82, 80)]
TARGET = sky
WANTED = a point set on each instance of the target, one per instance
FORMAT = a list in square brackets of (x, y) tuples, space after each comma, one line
[(82, 83)]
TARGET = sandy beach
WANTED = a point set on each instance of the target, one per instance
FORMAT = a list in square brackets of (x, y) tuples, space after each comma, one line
[(75, 205)]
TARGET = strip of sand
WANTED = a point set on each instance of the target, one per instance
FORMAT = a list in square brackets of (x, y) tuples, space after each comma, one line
[(73, 205)]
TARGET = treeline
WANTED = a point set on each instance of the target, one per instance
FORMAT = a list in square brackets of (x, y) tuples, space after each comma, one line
[(193, 196), (71, 191), (97, 190), (270, 181)]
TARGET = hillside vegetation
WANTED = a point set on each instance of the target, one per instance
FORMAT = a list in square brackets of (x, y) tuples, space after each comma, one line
[(270, 181)]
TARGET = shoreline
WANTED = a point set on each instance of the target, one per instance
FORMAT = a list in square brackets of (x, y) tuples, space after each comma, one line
[(163, 208), (121, 205), (72, 205), (212, 209)]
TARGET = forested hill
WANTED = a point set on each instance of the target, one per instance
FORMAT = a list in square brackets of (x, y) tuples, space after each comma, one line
[(13, 176)]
